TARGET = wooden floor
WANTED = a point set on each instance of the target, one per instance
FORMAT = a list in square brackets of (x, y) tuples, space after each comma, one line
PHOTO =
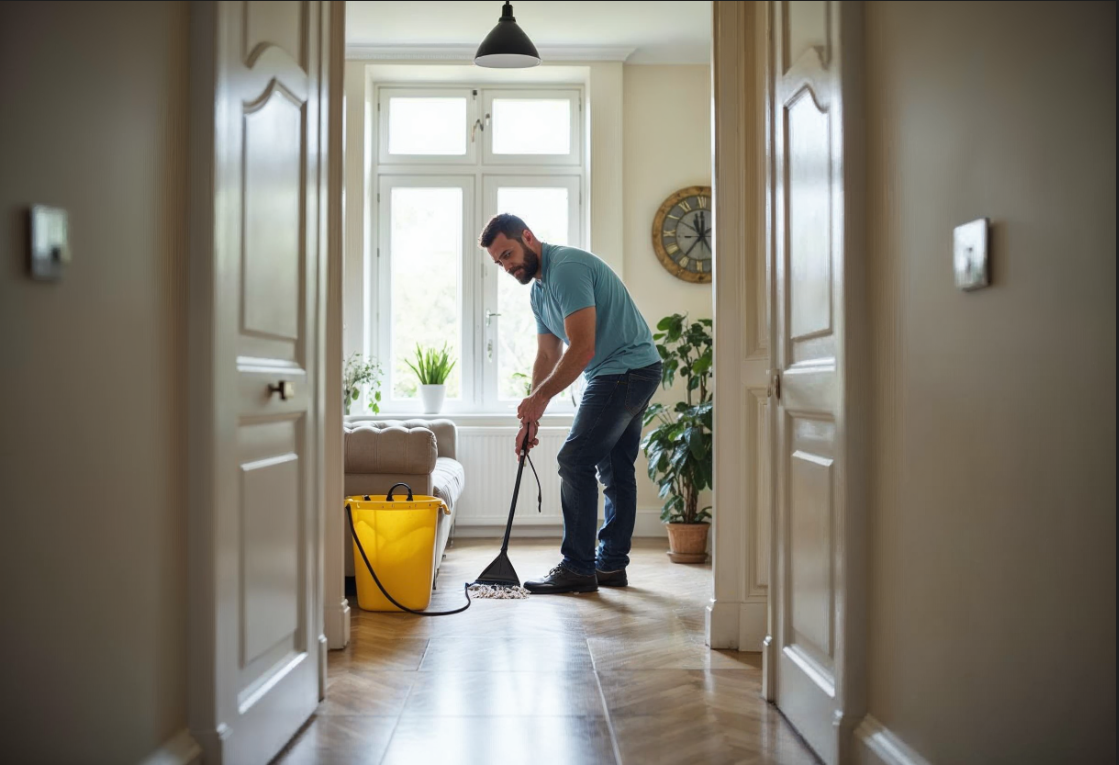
[(617, 676)]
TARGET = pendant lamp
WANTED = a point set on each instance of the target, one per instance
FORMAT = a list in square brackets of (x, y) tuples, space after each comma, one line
[(507, 46)]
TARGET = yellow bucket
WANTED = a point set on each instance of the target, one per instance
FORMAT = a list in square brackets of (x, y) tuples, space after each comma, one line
[(397, 534)]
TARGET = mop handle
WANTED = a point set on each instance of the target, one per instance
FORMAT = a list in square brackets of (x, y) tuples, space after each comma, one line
[(516, 490)]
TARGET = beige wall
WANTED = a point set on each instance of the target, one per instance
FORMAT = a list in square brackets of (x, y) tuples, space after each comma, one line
[(667, 143), (993, 522), (93, 548)]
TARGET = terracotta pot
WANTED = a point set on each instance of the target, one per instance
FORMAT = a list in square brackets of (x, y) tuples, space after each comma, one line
[(687, 542)]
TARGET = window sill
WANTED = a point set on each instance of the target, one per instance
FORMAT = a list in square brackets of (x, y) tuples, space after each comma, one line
[(473, 419)]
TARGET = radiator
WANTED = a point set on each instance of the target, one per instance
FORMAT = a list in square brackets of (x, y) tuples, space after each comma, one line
[(490, 465)]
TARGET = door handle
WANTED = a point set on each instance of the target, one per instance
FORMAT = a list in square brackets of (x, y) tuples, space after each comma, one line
[(285, 388), (490, 315)]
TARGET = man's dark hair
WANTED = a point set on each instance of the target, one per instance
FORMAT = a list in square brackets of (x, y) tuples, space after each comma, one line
[(502, 223)]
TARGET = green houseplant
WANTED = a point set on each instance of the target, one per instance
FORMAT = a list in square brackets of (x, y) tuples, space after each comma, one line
[(358, 372), (679, 447), (432, 368)]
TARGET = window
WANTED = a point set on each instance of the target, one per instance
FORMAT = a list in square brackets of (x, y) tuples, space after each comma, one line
[(449, 159)]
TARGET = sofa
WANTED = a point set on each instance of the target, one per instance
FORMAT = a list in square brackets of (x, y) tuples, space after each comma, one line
[(418, 452)]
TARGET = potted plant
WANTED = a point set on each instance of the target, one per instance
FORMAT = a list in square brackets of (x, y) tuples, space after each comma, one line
[(679, 448), (359, 372), (432, 368)]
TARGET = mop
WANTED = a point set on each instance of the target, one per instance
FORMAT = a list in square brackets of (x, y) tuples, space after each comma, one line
[(499, 580)]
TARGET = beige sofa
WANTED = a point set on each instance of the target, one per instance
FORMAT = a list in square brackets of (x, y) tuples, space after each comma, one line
[(418, 452)]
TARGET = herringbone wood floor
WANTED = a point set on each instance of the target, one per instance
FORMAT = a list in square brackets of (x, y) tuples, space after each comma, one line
[(617, 676)]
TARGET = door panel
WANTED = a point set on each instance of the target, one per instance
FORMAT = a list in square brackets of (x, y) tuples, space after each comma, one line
[(273, 190), (808, 217), (815, 216)]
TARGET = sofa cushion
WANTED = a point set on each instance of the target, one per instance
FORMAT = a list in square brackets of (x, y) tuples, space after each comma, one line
[(447, 480)]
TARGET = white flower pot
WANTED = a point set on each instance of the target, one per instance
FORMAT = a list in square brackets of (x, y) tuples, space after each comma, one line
[(432, 396)]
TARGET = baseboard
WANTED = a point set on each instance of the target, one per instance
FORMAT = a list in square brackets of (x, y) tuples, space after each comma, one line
[(337, 625), (181, 749), (723, 619), (647, 525), (751, 626), (876, 745)]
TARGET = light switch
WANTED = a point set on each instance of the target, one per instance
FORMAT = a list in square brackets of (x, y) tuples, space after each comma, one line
[(50, 242), (969, 254)]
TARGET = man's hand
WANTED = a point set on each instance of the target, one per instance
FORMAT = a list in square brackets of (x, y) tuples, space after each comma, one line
[(530, 428), (532, 408)]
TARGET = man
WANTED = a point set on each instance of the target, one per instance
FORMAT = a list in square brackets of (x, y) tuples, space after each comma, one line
[(578, 300)]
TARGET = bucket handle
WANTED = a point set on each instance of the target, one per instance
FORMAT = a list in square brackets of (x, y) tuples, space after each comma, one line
[(411, 498)]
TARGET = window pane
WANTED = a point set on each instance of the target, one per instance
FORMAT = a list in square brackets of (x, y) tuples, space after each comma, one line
[(426, 259), (427, 126), (531, 126), (544, 210)]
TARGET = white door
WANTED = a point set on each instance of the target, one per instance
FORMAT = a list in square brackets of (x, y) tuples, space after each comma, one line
[(256, 430), (818, 550)]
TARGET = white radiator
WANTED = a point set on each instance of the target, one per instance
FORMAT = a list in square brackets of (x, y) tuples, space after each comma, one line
[(490, 465)]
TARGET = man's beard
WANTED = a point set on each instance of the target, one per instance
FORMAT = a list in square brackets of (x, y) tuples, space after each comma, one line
[(530, 267)]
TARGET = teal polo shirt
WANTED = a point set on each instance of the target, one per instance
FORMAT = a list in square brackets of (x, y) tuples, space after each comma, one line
[(574, 279)]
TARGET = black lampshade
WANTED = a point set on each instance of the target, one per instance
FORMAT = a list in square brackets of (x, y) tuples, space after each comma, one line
[(507, 46)]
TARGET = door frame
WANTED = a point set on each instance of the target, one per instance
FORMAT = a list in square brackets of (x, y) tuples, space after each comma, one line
[(736, 613), (336, 615), (208, 446)]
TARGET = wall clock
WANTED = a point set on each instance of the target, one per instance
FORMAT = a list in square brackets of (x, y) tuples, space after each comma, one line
[(682, 232)]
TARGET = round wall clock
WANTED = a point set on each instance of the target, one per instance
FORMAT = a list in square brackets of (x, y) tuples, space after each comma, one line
[(682, 234)]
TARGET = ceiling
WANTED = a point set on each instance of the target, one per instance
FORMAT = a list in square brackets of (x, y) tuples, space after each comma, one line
[(655, 32)]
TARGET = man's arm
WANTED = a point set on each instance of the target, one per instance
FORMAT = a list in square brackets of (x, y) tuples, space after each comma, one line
[(580, 329), (549, 349)]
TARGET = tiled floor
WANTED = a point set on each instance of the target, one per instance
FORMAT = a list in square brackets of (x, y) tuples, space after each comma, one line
[(617, 676)]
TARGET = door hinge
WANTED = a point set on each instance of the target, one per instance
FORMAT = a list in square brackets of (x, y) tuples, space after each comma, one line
[(775, 385), (378, 252)]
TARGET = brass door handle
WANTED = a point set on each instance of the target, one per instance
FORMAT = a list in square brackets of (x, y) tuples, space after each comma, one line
[(284, 388)]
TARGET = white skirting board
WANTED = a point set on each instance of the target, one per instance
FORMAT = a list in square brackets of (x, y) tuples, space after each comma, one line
[(647, 526), (875, 745), (181, 749)]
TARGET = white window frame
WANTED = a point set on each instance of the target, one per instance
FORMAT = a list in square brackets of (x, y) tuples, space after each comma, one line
[(468, 289), (473, 137), (573, 158), (479, 288), (490, 186)]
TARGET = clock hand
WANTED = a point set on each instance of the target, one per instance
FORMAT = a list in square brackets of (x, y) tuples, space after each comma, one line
[(689, 250)]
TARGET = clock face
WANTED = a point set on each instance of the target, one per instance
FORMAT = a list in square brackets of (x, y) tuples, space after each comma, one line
[(682, 233)]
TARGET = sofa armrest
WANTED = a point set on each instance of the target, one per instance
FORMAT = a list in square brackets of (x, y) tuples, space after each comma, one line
[(446, 435), (387, 447)]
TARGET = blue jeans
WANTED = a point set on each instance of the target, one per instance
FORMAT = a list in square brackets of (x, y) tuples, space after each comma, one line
[(605, 436)]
